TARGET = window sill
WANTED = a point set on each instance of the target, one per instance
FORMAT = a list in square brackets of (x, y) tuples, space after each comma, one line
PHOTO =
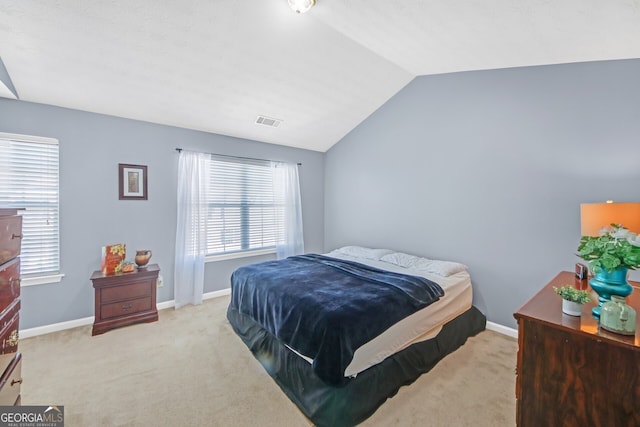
[(41, 280), (244, 254)]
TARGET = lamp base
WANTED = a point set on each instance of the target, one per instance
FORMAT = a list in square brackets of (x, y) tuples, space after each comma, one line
[(606, 284)]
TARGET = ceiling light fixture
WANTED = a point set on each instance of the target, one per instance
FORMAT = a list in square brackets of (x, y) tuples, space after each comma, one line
[(301, 6)]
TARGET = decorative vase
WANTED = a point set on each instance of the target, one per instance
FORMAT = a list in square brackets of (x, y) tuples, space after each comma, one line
[(607, 283), (571, 308), (616, 316), (142, 257)]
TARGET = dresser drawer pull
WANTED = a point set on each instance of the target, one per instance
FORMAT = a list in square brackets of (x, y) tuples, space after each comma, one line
[(16, 236), (13, 339), (13, 382), (14, 280), (127, 307)]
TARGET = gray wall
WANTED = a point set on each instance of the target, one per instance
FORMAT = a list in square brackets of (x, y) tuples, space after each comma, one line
[(91, 146), (489, 168)]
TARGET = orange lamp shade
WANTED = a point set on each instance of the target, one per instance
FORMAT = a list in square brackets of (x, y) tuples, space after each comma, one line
[(595, 216)]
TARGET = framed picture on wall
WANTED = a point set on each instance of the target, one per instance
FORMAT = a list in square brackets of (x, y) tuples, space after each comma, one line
[(132, 181)]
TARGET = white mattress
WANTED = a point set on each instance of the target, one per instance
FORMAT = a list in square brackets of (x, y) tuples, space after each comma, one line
[(422, 325)]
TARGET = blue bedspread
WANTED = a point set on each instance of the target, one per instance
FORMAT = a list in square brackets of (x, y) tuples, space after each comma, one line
[(325, 308)]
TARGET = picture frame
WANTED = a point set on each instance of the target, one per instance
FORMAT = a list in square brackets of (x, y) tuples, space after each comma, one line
[(132, 182)]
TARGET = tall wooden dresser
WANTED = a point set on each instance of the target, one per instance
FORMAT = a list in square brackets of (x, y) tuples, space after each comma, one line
[(10, 359), (570, 371)]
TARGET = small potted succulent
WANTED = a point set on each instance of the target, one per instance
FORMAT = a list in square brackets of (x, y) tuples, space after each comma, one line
[(572, 299)]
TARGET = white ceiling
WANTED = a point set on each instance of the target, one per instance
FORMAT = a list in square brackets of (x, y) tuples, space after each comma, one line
[(215, 65)]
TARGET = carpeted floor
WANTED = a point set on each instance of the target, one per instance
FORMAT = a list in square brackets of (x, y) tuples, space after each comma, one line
[(190, 369)]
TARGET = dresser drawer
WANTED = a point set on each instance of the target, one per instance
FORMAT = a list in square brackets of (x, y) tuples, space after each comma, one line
[(9, 283), (119, 293), (7, 316), (10, 237), (125, 308), (10, 382), (9, 336)]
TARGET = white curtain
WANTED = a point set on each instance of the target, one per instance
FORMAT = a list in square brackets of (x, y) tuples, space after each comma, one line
[(287, 190), (193, 179)]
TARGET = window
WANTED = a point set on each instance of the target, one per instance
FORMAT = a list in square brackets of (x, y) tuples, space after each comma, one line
[(29, 180), (243, 214)]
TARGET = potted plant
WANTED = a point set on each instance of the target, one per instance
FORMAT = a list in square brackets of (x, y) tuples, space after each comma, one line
[(615, 247), (572, 299), (610, 255)]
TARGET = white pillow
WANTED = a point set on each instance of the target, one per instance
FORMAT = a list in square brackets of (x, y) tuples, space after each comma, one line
[(401, 259), (361, 252), (441, 268), (422, 264)]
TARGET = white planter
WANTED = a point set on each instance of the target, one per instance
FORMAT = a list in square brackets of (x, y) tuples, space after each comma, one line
[(571, 308)]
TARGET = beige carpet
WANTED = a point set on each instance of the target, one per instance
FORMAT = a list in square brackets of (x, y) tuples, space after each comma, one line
[(190, 369)]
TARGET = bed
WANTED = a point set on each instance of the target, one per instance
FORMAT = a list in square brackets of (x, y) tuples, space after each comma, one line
[(341, 332)]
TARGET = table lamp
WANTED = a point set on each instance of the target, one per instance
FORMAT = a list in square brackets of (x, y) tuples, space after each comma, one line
[(595, 216)]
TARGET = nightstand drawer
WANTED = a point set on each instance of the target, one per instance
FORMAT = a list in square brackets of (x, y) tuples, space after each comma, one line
[(124, 308), (118, 293), (10, 382)]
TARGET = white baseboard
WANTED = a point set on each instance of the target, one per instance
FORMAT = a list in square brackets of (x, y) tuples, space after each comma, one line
[(216, 294), (41, 330), (496, 327), (55, 327), (206, 296)]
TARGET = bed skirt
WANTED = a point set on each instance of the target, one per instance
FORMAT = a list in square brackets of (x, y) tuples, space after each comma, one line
[(348, 405)]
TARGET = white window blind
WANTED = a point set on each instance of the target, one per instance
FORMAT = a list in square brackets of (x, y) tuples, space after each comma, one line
[(29, 180), (243, 214)]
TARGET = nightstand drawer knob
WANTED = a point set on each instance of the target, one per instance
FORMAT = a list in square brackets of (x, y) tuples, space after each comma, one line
[(127, 307)]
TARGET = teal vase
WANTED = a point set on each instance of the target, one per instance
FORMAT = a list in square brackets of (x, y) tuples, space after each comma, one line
[(607, 283)]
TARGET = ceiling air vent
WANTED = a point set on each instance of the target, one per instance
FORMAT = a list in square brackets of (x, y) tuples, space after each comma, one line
[(268, 121)]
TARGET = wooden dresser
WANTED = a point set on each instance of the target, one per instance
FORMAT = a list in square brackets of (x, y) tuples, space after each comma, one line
[(125, 299), (10, 359), (570, 372)]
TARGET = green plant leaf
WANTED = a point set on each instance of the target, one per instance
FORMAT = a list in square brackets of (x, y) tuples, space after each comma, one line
[(606, 252)]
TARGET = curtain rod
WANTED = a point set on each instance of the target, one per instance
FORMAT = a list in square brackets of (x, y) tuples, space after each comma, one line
[(240, 157)]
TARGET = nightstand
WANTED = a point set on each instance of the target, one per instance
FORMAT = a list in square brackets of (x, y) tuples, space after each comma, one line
[(571, 372), (125, 299)]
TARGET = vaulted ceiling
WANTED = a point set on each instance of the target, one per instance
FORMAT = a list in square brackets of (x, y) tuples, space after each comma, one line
[(215, 65)]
